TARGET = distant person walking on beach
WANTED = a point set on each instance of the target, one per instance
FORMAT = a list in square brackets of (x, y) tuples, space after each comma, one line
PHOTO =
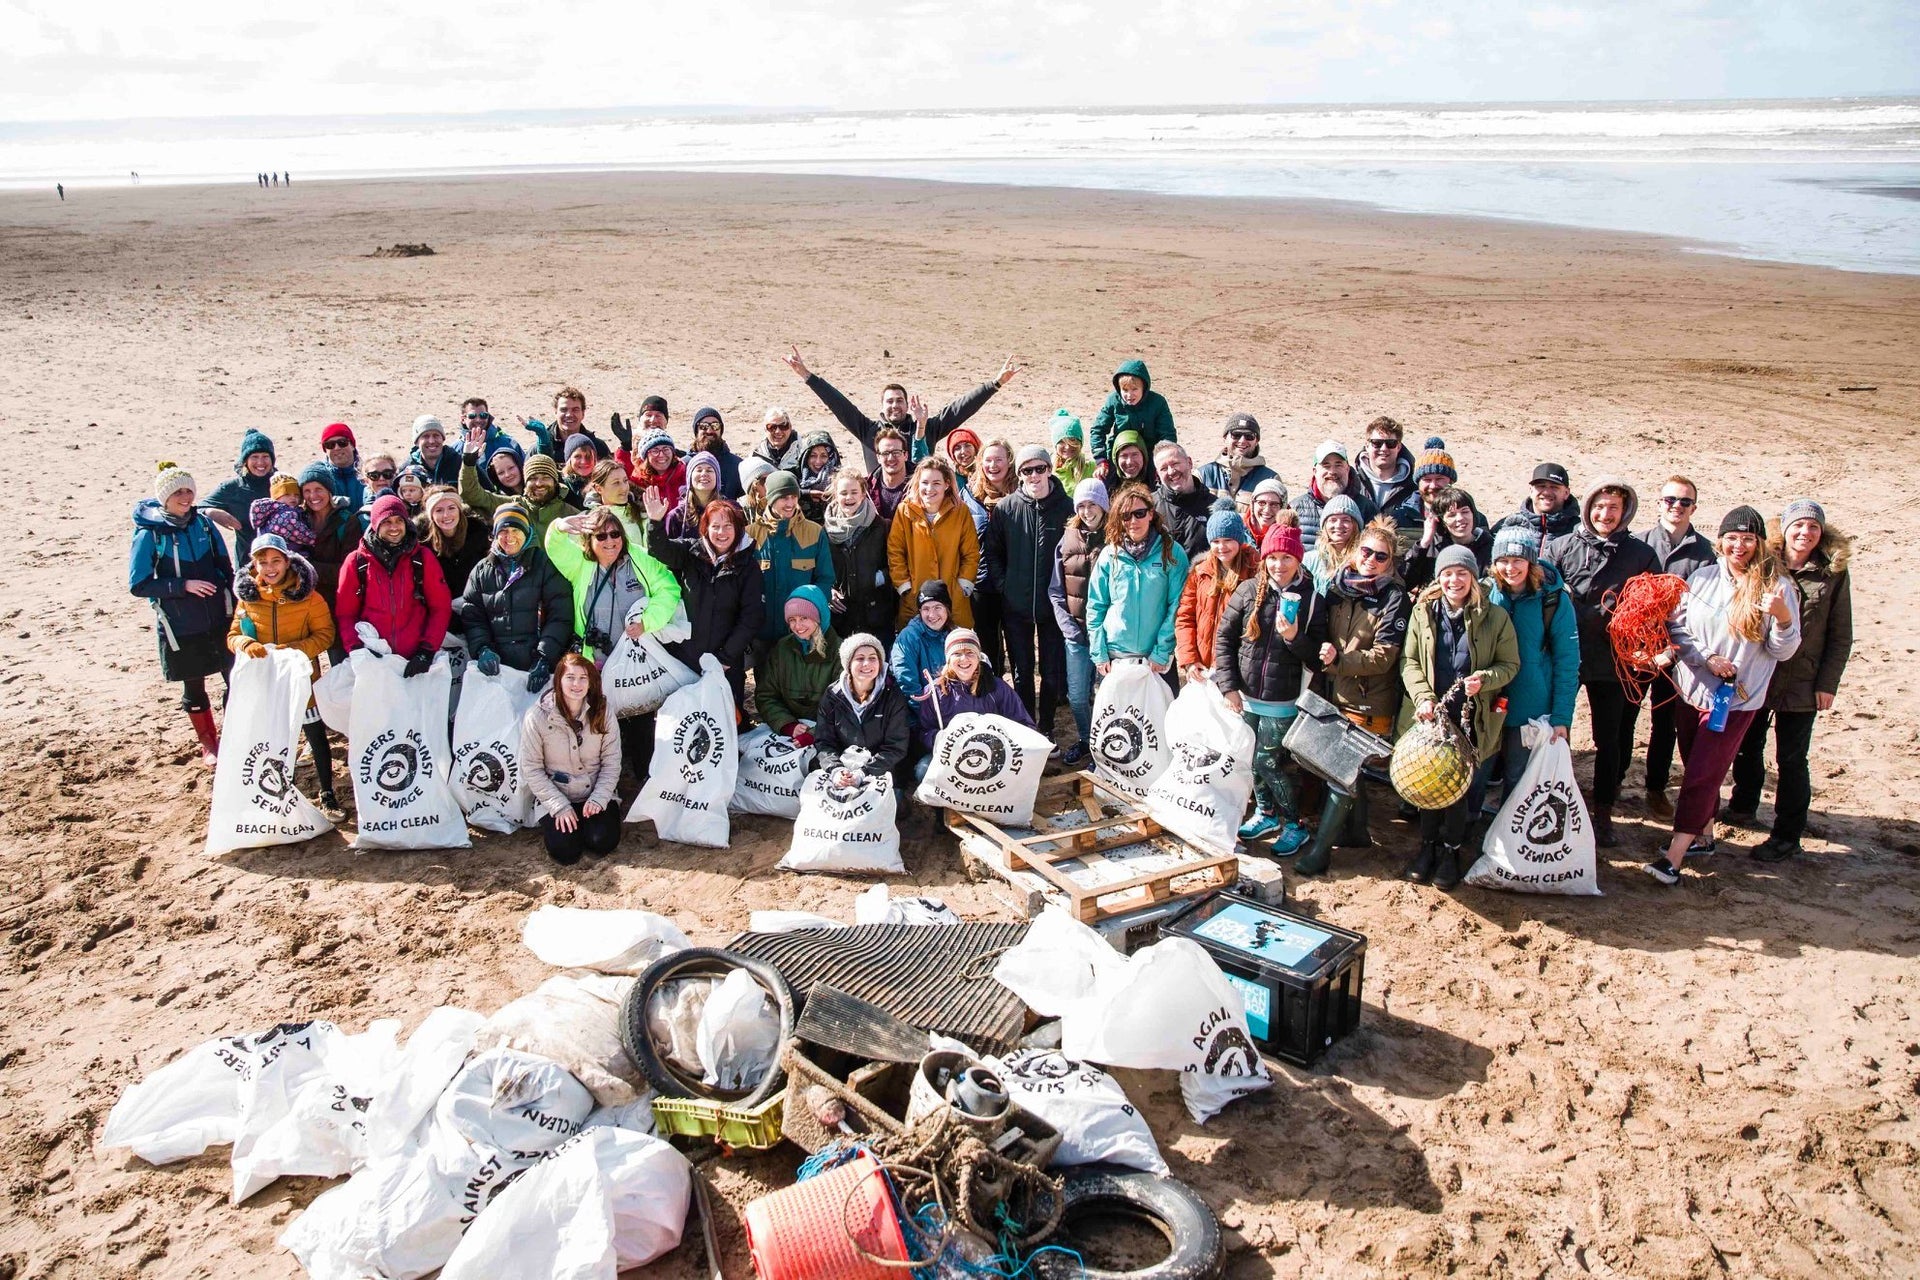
[(894, 410), (61, 187)]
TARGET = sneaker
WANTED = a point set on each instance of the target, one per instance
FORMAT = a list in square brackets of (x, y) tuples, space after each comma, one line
[(1075, 755), (1776, 850), (1658, 806), (1259, 826), (1291, 838), (1702, 845), (1662, 870)]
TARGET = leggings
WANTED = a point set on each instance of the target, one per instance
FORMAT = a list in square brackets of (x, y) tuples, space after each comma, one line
[(596, 835), (1708, 756), (1793, 793), (1612, 718), (1273, 790), (316, 735), (1666, 702), (636, 745)]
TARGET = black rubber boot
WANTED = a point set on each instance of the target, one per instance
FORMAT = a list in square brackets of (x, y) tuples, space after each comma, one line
[(1333, 818), (1604, 835), (1446, 868), (1354, 833), (1420, 870)]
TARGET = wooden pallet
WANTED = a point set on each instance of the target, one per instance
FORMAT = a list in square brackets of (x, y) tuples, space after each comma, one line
[(1096, 887)]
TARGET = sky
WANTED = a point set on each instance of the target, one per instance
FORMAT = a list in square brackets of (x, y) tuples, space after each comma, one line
[(117, 59)]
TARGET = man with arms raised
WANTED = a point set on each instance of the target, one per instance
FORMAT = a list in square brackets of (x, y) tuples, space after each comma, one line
[(894, 410)]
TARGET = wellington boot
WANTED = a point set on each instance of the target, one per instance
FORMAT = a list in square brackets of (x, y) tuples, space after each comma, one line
[(1446, 868), (209, 735), (1604, 835), (1353, 833), (1420, 870)]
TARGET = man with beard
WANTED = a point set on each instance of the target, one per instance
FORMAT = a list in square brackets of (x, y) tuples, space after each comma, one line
[(894, 409), (1332, 477), (1550, 511)]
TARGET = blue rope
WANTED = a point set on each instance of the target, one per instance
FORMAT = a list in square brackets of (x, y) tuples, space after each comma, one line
[(831, 1156)]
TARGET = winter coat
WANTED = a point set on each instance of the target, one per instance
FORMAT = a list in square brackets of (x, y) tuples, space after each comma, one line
[(683, 522), (235, 496), (457, 562), (1022, 535), (1826, 625), (291, 615), (1269, 667), (819, 482), (594, 593), (1369, 631), (521, 607), (1416, 563), (1492, 649), (1593, 568), (860, 571), (485, 503), (996, 698), (792, 553), (1186, 514), (1202, 603), (348, 484), (166, 555), (1558, 525), (333, 542), (1308, 504), (409, 612), (1131, 603), (1699, 630), (884, 726), (790, 681), (1073, 471), (1220, 480), (444, 469), (787, 459), (1151, 417), (1682, 559), (1398, 496), (1073, 566), (1549, 674), (563, 767), (919, 551), (864, 429), (276, 516), (724, 599), (917, 649)]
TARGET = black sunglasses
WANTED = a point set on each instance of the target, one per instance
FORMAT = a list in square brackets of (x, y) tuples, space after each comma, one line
[(1243, 435), (1138, 513), (1387, 443), (610, 535), (1038, 469), (1368, 553), (380, 475), (1675, 502), (479, 417)]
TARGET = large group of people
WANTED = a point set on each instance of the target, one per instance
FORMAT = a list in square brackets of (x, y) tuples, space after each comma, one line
[(867, 602)]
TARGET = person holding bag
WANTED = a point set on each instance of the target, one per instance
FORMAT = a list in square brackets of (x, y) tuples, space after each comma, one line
[(570, 757), (965, 683), (517, 609), (394, 584), (280, 607), (864, 708), (1367, 612), (1739, 619), (1548, 634), (179, 564)]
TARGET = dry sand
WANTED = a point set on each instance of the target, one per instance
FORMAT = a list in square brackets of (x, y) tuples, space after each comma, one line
[(1714, 1080)]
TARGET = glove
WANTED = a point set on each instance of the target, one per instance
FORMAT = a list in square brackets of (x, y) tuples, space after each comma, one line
[(966, 587), (254, 649), (341, 502), (418, 663), (488, 661), (879, 577), (801, 735), (538, 678), (623, 433)]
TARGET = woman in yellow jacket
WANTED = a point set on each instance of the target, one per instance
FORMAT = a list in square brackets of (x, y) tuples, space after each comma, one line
[(933, 538), (280, 607)]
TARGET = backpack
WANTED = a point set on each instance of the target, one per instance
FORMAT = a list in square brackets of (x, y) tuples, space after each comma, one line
[(419, 576)]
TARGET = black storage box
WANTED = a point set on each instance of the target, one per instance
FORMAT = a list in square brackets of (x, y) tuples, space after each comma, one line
[(1300, 977)]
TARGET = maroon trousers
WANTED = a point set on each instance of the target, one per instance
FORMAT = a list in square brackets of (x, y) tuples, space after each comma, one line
[(1708, 755)]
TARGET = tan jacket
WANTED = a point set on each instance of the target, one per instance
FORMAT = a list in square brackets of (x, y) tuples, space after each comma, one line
[(563, 768)]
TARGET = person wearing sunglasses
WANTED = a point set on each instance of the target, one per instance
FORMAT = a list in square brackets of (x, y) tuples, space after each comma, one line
[(1367, 612), (779, 446), (341, 453), (381, 470), (1388, 474), (1023, 533), (1239, 469), (479, 437), (896, 410), (1681, 550), (1135, 590)]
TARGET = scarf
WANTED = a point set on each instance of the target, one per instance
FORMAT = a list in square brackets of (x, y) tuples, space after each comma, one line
[(1237, 468), (388, 556), (1356, 585), (1137, 547), (843, 529)]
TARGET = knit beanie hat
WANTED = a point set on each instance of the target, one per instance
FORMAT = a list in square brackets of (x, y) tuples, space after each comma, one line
[(337, 431), (706, 411), (1274, 486), (806, 599), (1225, 522), (427, 422), (1093, 490), (1065, 426), (1032, 453), (542, 465), (1516, 540), (438, 494), (1342, 505), (1436, 462), (283, 486), (1283, 540), (1126, 438), (170, 478), (752, 468), (254, 441), (781, 482), (958, 434), (1241, 422), (657, 402), (703, 459), (1456, 557), (317, 473), (649, 441), (962, 637), (1804, 509), (511, 515), (385, 507), (861, 640), (577, 441), (934, 589), (1744, 520), (1433, 442)]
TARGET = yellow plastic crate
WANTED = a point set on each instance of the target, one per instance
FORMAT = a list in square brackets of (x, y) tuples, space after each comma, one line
[(757, 1127)]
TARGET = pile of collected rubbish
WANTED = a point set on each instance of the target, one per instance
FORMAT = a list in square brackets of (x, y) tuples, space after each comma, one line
[(945, 1080)]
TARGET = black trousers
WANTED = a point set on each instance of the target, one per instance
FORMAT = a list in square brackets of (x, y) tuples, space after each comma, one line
[(636, 745), (1793, 791), (316, 735), (1036, 644), (1665, 700), (989, 611), (1612, 718), (596, 835), (1446, 826)]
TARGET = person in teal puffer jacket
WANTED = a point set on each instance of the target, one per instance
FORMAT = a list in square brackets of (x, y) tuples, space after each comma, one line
[(1133, 406), (1136, 585), (1549, 637), (793, 553)]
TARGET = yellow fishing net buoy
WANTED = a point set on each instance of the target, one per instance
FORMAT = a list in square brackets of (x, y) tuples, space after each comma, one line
[(1432, 764)]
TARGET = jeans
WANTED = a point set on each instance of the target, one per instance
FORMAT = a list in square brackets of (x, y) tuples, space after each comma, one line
[(1035, 642), (1665, 700), (1612, 718), (1504, 768), (1708, 756), (596, 835), (1079, 659), (1273, 790), (1793, 791)]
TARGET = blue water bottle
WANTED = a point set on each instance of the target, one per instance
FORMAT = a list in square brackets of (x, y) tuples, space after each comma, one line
[(1722, 705)]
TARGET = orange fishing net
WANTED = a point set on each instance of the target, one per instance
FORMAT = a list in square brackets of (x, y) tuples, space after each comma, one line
[(1638, 628)]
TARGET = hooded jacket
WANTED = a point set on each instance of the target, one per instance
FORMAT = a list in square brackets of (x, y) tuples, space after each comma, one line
[(670, 484), (1369, 631), (1147, 478), (1151, 417), (1826, 625), (787, 459), (920, 550), (883, 725), (1202, 603), (1072, 574), (1491, 648), (444, 469), (1699, 630), (1594, 569), (638, 574), (864, 429), (724, 598), (291, 615), (1549, 674), (409, 616), (1186, 514), (1131, 602), (1022, 535), (793, 553), (917, 649), (820, 481), (564, 767), (1309, 503), (521, 607), (995, 698), (166, 555), (1398, 496), (790, 681), (1268, 667), (236, 495)]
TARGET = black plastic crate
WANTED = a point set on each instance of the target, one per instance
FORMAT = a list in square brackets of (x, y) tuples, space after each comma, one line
[(1300, 977)]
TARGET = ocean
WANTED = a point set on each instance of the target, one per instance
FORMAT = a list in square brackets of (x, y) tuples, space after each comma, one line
[(1833, 182)]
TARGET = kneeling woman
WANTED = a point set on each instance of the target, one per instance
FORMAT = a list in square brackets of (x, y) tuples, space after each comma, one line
[(965, 683), (864, 708), (570, 756), (281, 608), (793, 677), (1461, 651)]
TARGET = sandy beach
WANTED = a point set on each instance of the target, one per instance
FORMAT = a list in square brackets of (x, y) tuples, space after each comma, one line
[(1710, 1081)]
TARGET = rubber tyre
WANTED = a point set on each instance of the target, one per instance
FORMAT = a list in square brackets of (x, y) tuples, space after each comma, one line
[(700, 962), (1170, 1205)]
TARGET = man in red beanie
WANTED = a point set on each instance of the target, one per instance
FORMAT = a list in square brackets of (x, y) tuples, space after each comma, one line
[(342, 455), (395, 584)]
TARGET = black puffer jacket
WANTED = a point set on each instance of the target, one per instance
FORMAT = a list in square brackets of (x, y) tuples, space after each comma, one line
[(1594, 569), (1186, 515), (521, 608), (724, 601), (331, 547), (457, 562), (871, 605), (1268, 668), (1022, 535), (886, 730)]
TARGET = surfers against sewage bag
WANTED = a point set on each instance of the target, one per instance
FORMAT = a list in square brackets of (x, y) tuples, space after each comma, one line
[(641, 674), (254, 800), (1129, 714), (1203, 791), (696, 759), (487, 780), (986, 764), (1542, 840), (772, 767), (397, 749), (846, 828)]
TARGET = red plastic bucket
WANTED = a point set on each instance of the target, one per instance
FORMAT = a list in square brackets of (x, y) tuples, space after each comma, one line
[(807, 1231)]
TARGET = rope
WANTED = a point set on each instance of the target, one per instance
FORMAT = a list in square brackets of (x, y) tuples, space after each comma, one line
[(1637, 628)]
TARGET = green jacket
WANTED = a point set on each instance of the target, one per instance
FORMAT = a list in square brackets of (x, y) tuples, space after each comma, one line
[(479, 499), (663, 589), (1151, 417), (789, 682), (1490, 644)]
